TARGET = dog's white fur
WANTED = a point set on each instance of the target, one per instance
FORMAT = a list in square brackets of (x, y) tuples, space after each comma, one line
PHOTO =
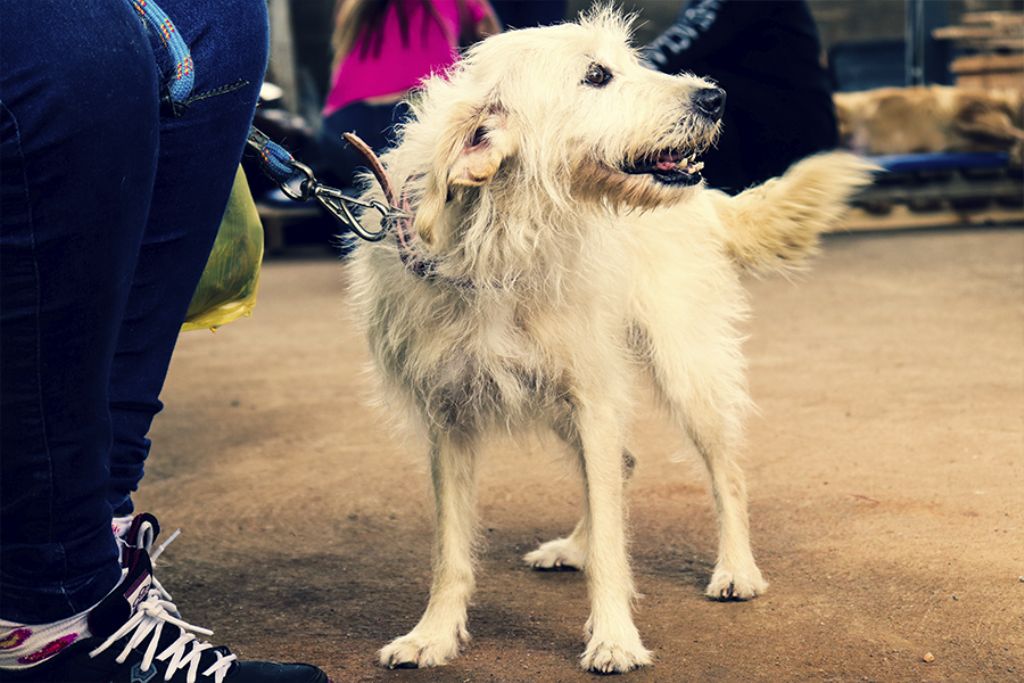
[(557, 277)]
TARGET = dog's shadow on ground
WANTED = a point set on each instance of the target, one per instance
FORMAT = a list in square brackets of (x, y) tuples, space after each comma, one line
[(679, 565), (351, 603)]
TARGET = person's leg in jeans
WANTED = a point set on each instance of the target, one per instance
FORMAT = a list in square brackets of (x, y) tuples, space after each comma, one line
[(79, 144), (199, 151), (107, 223)]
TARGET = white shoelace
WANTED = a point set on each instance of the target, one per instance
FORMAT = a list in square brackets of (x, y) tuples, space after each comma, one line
[(153, 554), (186, 651)]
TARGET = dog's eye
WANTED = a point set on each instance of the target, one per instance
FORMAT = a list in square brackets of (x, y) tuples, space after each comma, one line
[(597, 75)]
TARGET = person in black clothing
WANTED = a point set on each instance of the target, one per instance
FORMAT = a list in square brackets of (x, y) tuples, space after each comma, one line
[(527, 13), (765, 55)]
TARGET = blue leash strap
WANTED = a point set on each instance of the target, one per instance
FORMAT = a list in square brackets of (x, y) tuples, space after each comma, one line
[(183, 76), (280, 165)]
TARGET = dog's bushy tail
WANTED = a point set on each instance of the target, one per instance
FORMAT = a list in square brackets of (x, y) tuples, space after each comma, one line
[(775, 227)]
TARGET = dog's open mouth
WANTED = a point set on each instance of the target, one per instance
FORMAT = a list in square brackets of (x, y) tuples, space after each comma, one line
[(669, 167)]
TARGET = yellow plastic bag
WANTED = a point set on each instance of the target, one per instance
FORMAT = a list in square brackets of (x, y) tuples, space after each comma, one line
[(227, 289)]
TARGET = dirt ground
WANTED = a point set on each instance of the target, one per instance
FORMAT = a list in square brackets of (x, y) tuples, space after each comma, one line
[(886, 475)]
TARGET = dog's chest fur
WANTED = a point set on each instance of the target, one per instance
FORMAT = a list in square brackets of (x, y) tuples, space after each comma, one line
[(473, 360)]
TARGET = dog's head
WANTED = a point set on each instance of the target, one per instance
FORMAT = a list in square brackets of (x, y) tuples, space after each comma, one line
[(560, 115)]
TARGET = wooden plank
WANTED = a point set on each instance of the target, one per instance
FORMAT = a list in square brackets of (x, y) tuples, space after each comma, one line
[(988, 64), (975, 32), (900, 218), (993, 81), (1010, 18)]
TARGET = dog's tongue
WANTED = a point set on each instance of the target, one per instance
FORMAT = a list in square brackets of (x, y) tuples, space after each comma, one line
[(666, 161)]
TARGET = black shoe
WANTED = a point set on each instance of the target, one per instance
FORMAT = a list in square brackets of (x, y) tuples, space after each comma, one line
[(138, 637)]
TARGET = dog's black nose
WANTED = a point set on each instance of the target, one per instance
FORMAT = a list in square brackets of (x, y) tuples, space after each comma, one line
[(710, 102)]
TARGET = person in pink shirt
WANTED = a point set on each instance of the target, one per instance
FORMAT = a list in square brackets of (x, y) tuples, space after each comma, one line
[(383, 49)]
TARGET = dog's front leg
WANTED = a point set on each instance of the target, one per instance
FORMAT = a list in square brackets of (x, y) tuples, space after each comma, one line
[(442, 628), (613, 644)]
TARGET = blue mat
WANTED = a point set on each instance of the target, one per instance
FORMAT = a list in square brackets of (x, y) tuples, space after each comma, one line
[(941, 161)]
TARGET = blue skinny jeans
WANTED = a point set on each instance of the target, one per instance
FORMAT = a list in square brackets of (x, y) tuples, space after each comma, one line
[(110, 200)]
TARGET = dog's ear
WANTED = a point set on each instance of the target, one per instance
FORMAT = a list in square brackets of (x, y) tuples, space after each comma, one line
[(476, 144), (483, 150)]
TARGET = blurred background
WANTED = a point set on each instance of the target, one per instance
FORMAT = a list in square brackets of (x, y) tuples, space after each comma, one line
[(867, 48)]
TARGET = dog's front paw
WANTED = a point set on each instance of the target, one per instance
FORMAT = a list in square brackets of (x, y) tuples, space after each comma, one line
[(561, 553), (736, 583), (419, 650), (610, 657)]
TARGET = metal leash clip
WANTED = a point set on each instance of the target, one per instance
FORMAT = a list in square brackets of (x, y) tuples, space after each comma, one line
[(337, 203), (298, 183)]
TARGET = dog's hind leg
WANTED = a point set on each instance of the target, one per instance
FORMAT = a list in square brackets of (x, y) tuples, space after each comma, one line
[(442, 628), (571, 552), (701, 380)]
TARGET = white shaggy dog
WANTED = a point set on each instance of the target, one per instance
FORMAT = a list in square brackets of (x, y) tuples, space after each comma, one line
[(561, 240)]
